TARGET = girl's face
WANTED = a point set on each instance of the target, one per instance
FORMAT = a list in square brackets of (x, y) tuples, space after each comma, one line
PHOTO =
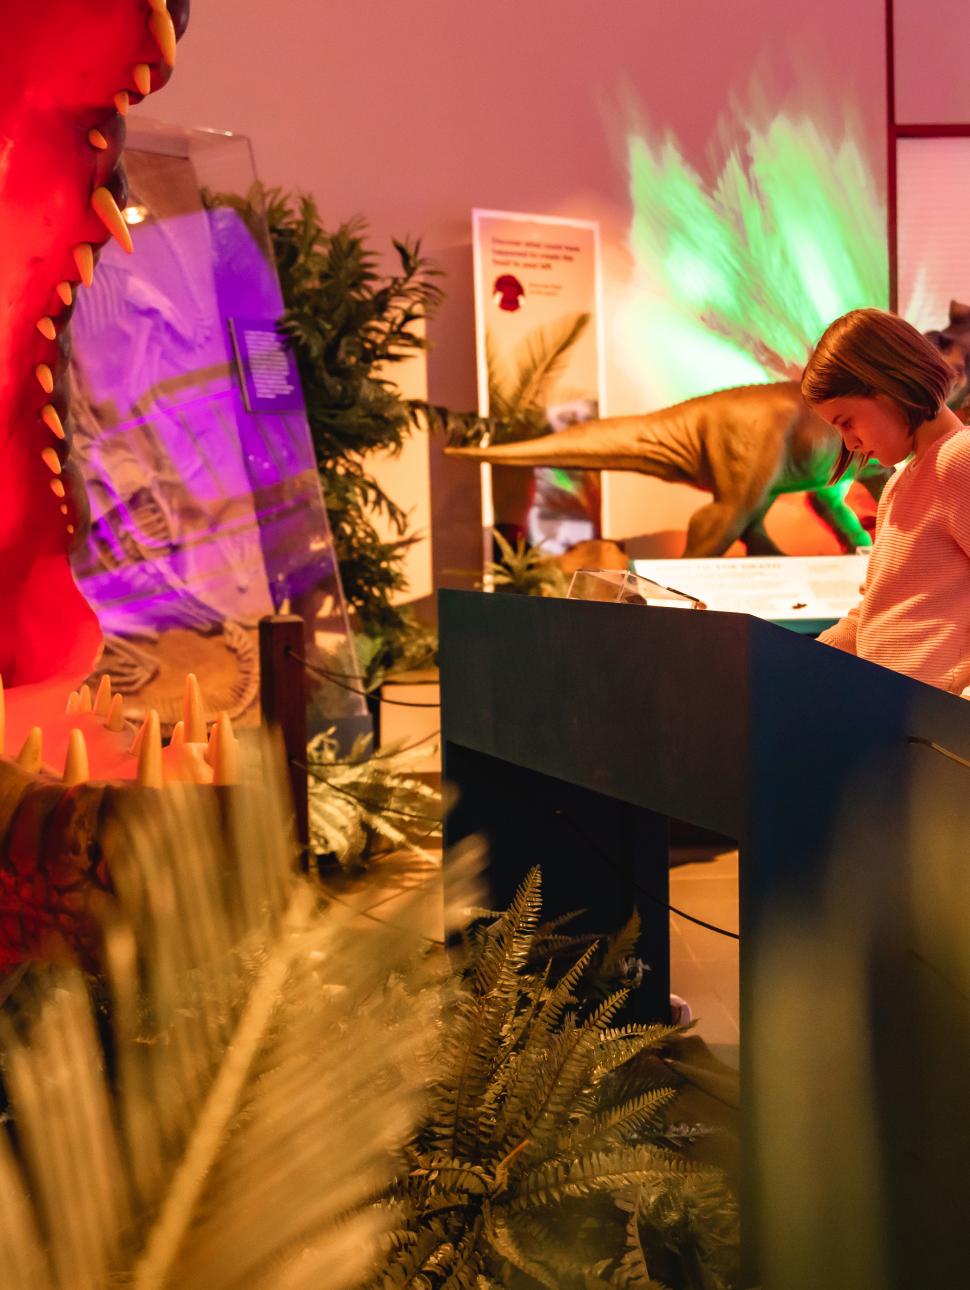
[(874, 426)]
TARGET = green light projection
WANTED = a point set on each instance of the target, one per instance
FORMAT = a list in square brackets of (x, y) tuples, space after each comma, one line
[(735, 279)]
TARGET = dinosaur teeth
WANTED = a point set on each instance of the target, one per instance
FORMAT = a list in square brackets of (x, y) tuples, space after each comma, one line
[(63, 508), (141, 74), (102, 700), (225, 759), (84, 259), (162, 27), (85, 699), (178, 735), (150, 773), (65, 293), (116, 714), (28, 758), (97, 140), (70, 528), (76, 765), (57, 488), (47, 329), (106, 208), (45, 377), (73, 702), (48, 414), (51, 460), (121, 102), (192, 711)]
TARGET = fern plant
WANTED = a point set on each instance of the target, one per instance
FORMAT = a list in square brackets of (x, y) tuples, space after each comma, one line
[(359, 797), (524, 570), (538, 1116)]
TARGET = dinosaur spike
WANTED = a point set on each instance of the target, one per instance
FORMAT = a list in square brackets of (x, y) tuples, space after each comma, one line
[(225, 766), (116, 714), (138, 740), (57, 488), (192, 711), (102, 700), (76, 765), (150, 773), (162, 27), (97, 140), (45, 378), (28, 758), (190, 766), (178, 735), (63, 508), (158, 4), (212, 747), (85, 696), (73, 702), (46, 328), (84, 259), (65, 293), (48, 414), (70, 528), (141, 74), (51, 460), (122, 102), (106, 208)]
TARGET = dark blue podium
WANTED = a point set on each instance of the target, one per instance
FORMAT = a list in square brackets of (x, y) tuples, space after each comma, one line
[(575, 731)]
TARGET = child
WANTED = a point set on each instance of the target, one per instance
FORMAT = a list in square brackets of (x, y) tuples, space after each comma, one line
[(883, 386)]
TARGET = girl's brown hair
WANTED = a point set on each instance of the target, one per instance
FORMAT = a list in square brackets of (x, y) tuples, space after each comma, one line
[(869, 352)]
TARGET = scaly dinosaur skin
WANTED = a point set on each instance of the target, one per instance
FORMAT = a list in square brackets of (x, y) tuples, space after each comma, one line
[(70, 68), (68, 71), (746, 446)]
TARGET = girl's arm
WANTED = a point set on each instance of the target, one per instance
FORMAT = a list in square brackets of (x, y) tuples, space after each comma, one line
[(842, 634)]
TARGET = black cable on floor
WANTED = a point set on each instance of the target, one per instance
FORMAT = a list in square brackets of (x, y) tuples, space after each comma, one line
[(608, 860)]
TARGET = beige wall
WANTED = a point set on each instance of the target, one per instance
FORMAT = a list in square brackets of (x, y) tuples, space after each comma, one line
[(412, 114)]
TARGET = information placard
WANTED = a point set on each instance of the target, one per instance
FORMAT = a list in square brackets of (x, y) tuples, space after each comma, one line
[(267, 366), (805, 592), (538, 324)]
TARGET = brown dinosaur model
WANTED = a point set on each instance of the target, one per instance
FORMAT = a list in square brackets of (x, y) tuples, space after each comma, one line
[(745, 446), (953, 342)]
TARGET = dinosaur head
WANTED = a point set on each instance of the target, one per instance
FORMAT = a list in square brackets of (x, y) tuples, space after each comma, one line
[(70, 71), (953, 342)]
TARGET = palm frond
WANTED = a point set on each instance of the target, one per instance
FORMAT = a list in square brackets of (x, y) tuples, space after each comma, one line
[(539, 360), (261, 1071)]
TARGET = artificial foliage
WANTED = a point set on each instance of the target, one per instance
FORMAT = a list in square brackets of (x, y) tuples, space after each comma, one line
[(543, 1157), (525, 570), (229, 1125), (362, 798), (349, 323)]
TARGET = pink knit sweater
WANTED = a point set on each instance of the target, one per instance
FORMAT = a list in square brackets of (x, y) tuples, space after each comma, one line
[(915, 613)]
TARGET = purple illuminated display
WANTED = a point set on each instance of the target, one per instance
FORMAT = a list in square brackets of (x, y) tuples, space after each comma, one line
[(205, 515)]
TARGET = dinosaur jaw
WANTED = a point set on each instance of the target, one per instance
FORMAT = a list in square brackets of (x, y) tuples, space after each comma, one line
[(68, 77)]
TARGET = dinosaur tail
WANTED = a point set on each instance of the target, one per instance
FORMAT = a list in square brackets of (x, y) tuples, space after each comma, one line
[(615, 443)]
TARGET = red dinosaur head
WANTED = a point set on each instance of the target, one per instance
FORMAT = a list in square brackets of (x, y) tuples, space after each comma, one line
[(70, 70)]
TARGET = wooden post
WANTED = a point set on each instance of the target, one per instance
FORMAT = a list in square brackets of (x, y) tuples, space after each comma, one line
[(282, 701)]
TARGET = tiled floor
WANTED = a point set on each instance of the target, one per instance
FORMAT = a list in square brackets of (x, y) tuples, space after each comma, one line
[(704, 964)]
